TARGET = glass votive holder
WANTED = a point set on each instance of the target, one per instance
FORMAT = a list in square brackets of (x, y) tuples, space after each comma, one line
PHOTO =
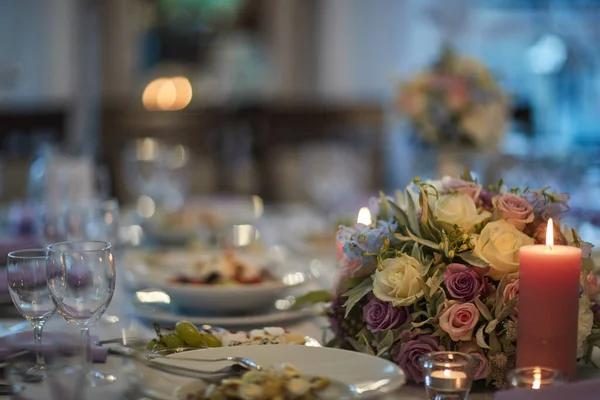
[(535, 378), (448, 374)]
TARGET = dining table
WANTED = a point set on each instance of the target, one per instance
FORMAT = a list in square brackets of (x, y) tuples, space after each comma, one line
[(120, 317)]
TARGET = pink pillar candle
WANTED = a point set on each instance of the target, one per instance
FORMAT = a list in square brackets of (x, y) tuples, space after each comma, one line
[(548, 307)]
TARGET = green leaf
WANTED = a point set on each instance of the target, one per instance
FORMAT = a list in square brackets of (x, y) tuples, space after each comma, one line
[(500, 298), (508, 309), (480, 338), (472, 259), (495, 343), (491, 326), (384, 207), (422, 241), (364, 336), (399, 213), (416, 253), (352, 282), (385, 343), (355, 294), (467, 176), (318, 296), (425, 288), (428, 321), (411, 211), (483, 309)]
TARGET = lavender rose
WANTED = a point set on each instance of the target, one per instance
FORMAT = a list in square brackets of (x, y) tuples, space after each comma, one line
[(381, 315), (516, 210), (459, 321), (483, 368), (462, 282), (407, 355), (485, 199), (471, 189)]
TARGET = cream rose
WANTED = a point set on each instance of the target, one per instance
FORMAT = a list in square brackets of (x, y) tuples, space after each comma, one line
[(397, 281), (459, 209), (499, 244)]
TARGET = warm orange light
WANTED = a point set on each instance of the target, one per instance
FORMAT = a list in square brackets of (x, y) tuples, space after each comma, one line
[(167, 94), (550, 234)]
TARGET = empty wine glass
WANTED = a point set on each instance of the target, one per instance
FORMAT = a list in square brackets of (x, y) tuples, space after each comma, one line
[(26, 274), (81, 279)]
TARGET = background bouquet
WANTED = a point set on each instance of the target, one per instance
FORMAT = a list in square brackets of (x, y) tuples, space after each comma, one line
[(456, 101), (438, 269)]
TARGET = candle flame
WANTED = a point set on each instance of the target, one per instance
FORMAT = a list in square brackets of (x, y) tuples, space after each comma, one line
[(537, 379), (550, 234), (447, 373), (364, 216)]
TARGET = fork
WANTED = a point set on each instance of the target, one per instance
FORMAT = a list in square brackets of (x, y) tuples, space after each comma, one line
[(251, 365)]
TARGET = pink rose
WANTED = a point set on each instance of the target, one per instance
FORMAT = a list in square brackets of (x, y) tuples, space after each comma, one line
[(482, 368), (459, 320), (516, 210), (471, 189), (592, 288), (511, 291)]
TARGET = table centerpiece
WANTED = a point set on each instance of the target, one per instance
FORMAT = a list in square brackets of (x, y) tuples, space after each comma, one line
[(438, 269)]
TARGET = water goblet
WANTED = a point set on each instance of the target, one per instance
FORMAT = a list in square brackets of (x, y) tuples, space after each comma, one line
[(81, 280), (26, 277), (535, 378), (448, 374)]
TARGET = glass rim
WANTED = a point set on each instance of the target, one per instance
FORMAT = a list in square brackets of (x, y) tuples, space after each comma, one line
[(105, 246), (16, 254), (551, 372), (430, 358)]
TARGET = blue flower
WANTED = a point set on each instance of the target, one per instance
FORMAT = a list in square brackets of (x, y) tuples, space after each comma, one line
[(365, 239)]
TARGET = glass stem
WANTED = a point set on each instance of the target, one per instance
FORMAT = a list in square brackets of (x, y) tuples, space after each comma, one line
[(37, 336), (87, 348)]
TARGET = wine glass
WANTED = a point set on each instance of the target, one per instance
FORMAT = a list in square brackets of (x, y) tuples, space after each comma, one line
[(26, 275), (81, 279)]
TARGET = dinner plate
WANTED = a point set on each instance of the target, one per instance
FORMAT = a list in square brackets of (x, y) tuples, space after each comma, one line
[(365, 376), (156, 270), (169, 315)]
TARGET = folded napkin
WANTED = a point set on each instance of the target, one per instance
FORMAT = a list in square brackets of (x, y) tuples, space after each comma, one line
[(12, 243), (3, 282), (585, 390), (63, 343)]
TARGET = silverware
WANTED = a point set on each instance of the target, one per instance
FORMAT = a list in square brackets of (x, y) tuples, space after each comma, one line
[(151, 360), (251, 365)]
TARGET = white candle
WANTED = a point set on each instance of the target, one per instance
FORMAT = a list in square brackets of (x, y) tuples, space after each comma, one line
[(364, 216), (446, 379)]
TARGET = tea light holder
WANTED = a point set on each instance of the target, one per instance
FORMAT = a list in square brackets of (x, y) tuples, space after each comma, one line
[(535, 378), (448, 374)]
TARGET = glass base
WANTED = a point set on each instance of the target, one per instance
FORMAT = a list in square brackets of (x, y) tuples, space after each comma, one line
[(96, 378), (35, 374)]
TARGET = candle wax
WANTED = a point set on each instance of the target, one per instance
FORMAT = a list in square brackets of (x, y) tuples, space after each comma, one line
[(548, 308)]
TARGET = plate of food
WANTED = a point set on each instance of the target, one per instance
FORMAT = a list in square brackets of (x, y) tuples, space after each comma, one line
[(160, 311), (217, 283), (291, 371), (186, 335)]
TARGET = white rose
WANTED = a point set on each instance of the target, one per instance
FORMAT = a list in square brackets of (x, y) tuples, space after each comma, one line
[(586, 321), (397, 281), (459, 209), (499, 244)]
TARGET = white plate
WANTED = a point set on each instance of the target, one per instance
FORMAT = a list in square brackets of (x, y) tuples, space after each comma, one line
[(214, 298), (269, 318), (366, 375)]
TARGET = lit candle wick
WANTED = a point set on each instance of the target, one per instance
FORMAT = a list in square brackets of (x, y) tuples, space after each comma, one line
[(550, 234)]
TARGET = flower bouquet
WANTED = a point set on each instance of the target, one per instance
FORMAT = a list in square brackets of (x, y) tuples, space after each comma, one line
[(455, 101), (439, 269)]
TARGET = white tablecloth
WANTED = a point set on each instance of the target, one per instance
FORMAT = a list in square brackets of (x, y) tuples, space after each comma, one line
[(121, 308)]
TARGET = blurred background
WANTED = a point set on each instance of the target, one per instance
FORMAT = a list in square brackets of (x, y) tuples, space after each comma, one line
[(160, 103)]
